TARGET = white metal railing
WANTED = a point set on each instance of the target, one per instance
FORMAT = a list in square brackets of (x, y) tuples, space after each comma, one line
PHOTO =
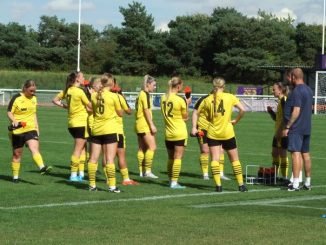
[(250, 102)]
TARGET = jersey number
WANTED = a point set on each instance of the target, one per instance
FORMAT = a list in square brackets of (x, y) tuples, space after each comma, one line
[(100, 106), (167, 108), (220, 108)]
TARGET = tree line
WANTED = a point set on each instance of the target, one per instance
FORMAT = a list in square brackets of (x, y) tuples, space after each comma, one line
[(225, 43)]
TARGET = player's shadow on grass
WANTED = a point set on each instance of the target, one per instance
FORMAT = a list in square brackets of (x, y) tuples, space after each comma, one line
[(9, 179), (186, 174), (62, 167)]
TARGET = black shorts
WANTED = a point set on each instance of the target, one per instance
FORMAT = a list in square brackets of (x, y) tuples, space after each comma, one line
[(202, 140), (78, 132), (121, 141), (141, 134), (19, 140), (104, 139), (171, 144), (282, 144), (229, 144)]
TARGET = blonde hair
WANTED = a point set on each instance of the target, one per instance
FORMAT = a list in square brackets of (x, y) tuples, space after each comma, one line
[(107, 81), (218, 83), (173, 83), (147, 80)]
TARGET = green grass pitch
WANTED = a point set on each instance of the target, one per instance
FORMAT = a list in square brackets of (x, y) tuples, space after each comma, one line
[(50, 210)]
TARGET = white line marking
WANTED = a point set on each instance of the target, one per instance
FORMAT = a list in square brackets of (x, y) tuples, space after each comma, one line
[(261, 202), (292, 206), (150, 198)]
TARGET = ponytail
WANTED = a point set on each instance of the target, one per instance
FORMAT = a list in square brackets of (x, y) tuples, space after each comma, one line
[(71, 78)]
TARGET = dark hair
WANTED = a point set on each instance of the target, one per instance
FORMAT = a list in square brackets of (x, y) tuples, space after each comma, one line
[(283, 87), (71, 78)]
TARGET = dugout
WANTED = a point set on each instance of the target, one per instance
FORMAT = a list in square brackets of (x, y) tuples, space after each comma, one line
[(309, 72)]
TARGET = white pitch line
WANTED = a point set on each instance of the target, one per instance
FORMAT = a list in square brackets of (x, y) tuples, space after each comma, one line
[(149, 198), (292, 206), (261, 202)]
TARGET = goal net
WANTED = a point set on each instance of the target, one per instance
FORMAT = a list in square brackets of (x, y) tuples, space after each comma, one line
[(320, 93)]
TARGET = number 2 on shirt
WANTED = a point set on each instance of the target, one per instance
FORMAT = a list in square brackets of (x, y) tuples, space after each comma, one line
[(167, 108)]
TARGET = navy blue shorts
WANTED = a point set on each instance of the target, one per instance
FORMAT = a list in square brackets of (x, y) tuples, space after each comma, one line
[(298, 143)]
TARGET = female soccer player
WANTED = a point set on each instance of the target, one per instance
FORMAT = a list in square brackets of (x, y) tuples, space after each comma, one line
[(106, 110), (145, 128), (77, 106), (25, 131), (175, 111), (279, 150), (219, 106), (121, 152), (199, 120)]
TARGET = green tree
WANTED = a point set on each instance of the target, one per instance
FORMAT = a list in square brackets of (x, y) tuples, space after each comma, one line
[(308, 41), (187, 37), (135, 51)]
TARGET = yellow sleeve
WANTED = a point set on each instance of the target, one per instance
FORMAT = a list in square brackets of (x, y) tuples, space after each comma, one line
[(123, 103)]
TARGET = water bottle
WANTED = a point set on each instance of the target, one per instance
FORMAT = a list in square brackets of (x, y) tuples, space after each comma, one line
[(19, 125)]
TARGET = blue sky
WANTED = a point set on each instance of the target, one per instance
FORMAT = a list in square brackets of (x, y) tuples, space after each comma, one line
[(100, 13)]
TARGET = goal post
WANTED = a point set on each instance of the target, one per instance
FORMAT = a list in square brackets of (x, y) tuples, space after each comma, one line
[(320, 93)]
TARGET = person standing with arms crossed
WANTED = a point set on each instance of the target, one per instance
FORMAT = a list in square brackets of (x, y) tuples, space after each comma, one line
[(297, 120)]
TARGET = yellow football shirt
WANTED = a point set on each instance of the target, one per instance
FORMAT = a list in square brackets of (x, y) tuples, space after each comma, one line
[(172, 108), (76, 101), (105, 115), (219, 115), (279, 113), (124, 106), (202, 122), (143, 102), (24, 110)]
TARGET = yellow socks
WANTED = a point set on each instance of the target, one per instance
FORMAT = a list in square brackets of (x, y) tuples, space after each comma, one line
[(38, 160), (81, 166), (169, 168), (15, 166), (237, 170), (204, 163), (149, 155), (125, 174), (110, 172), (284, 166), (216, 172), (221, 162), (74, 164), (141, 157), (92, 168), (176, 168), (276, 162)]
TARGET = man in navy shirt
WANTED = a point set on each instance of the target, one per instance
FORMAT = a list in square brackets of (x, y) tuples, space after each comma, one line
[(297, 118)]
